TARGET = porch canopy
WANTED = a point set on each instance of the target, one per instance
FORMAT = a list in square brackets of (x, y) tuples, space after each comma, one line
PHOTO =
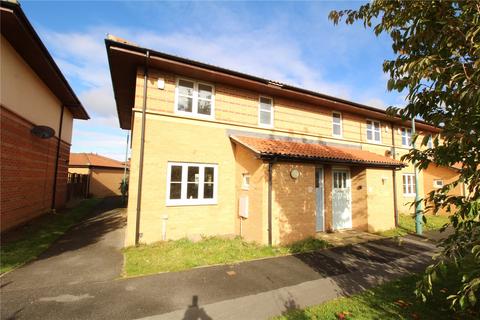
[(294, 150)]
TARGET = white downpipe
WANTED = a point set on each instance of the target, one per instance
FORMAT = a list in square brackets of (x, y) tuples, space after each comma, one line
[(241, 220)]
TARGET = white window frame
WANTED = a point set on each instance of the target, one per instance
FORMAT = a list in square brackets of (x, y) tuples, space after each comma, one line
[(410, 184), (195, 99), (373, 130), (404, 134), (245, 181), (333, 124), (271, 113), (435, 183), (430, 142), (183, 201)]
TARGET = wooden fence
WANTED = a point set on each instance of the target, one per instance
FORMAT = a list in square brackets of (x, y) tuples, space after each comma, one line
[(77, 186)]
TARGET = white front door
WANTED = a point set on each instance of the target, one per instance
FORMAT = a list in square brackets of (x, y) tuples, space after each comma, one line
[(319, 196), (341, 199)]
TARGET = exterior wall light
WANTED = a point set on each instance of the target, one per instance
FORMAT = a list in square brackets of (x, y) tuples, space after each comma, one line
[(294, 174)]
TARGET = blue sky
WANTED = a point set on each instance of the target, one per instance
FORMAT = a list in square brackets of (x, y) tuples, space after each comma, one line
[(291, 42)]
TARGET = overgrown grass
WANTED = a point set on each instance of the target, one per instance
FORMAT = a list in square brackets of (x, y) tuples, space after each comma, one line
[(393, 300), (406, 224), (184, 254), (39, 235)]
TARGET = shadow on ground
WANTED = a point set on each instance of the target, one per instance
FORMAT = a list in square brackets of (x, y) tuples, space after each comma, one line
[(103, 219)]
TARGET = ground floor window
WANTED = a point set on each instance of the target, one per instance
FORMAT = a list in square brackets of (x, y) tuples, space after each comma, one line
[(409, 184), (191, 183)]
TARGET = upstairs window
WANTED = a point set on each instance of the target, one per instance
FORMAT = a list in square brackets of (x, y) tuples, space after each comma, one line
[(373, 131), (430, 142), (245, 181), (265, 112), (438, 183), (409, 184), (337, 124), (194, 98), (406, 137), (191, 184)]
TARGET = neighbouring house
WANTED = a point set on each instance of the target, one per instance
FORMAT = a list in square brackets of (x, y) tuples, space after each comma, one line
[(215, 151), (37, 111), (435, 177), (104, 174)]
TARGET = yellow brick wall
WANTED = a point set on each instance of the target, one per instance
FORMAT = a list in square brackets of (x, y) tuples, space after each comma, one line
[(170, 140), (239, 107), (254, 228), (170, 137), (105, 182), (359, 198), (380, 200), (79, 170), (294, 203), (448, 175)]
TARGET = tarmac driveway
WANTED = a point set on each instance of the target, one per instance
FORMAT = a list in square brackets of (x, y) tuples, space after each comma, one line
[(90, 252), (68, 283)]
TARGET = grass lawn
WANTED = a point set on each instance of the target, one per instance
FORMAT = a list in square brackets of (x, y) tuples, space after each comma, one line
[(39, 235), (392, 300), (184, 254), (406, 224)]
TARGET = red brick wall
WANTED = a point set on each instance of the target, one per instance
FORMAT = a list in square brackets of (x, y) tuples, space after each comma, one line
[(27, 167)]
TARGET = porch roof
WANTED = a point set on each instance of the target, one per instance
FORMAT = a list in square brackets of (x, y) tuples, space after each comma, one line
[(294, 150)]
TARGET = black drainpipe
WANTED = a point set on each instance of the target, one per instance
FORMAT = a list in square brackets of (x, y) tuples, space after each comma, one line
[(394, 152), (54, 193), (270, 167), (142, 147)]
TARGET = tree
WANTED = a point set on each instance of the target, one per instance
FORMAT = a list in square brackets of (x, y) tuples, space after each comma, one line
[(437, 49)]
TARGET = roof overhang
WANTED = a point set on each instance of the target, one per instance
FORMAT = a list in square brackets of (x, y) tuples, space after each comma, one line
[(124, 59), (361, 157), (16, 28)]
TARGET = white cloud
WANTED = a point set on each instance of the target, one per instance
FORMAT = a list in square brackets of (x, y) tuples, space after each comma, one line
[(100, 100), (87, 138), (376, 102)]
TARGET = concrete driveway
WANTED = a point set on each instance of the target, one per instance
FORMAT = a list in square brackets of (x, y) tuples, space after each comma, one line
[(90, 252)]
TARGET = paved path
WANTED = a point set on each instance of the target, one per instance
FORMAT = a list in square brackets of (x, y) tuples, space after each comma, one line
[(88, 252), (76, 279)]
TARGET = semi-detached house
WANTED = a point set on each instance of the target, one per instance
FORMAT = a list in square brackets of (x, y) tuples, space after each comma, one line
[(218, 152)]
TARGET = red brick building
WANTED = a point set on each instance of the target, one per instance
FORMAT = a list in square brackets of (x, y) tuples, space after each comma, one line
[(37, 111)]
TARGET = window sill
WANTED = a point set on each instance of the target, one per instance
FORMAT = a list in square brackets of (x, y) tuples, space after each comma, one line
[(263, 126), (192, 115), (410, 195), (189, 204)]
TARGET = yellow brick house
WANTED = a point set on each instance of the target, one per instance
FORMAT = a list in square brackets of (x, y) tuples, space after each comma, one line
[(218, 152)]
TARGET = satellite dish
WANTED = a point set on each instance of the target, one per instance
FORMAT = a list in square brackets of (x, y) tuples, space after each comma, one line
[(42, 132)]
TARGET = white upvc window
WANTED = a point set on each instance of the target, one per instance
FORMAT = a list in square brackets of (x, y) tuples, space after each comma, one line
[(406, 137), (438, 183), (245, 181), (265, 112), (430, 142), (194, 98), (191, 183), (373, 131), (409, 184), (337, 130)]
